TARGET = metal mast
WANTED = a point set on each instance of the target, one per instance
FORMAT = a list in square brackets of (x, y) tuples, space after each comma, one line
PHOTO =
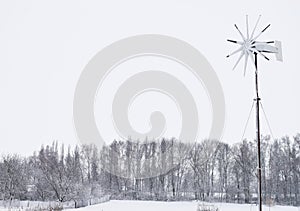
[(257, 99)]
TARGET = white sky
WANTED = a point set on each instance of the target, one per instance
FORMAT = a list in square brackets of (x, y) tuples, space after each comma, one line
[(44, 46)]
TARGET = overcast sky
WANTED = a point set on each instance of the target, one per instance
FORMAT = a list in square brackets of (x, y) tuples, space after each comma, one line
[(44, 47)]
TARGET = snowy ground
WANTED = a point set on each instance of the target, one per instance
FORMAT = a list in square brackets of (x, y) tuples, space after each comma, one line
[(174, 206)]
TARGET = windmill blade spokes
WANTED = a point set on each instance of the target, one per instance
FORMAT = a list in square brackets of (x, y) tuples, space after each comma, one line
[(252, 59), (236, 51), (240, 32), (239, 59), (246, 61), (247, 26), (260, 53), (234, 41), (266, 27), (252, 34), (262, 31), (255, 43), (264, 55)]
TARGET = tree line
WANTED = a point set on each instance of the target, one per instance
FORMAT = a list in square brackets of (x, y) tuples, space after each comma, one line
[(166, 169)]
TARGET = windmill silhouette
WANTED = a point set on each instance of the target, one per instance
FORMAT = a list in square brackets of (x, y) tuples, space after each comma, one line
[(249, 47)]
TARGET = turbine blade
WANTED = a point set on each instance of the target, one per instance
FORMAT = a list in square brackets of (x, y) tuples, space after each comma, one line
[(252, 59), (260, 53), (262, 42), (264, 56), (266, 27), (252, 34), (262, 31), (236, 51), (246, 61), (240, 32), (234, 41), (239, 59), (247, 25)]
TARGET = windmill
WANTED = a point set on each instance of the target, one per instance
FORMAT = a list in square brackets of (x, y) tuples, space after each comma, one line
[(249, 47)]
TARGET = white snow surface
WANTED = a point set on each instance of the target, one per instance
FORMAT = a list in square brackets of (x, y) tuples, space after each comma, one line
[(175, 206)]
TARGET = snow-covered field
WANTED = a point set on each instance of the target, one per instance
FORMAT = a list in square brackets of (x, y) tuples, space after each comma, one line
[(115, 205), (174, 206)]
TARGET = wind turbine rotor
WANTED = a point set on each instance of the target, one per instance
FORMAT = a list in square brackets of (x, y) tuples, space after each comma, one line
[(249, 46)]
